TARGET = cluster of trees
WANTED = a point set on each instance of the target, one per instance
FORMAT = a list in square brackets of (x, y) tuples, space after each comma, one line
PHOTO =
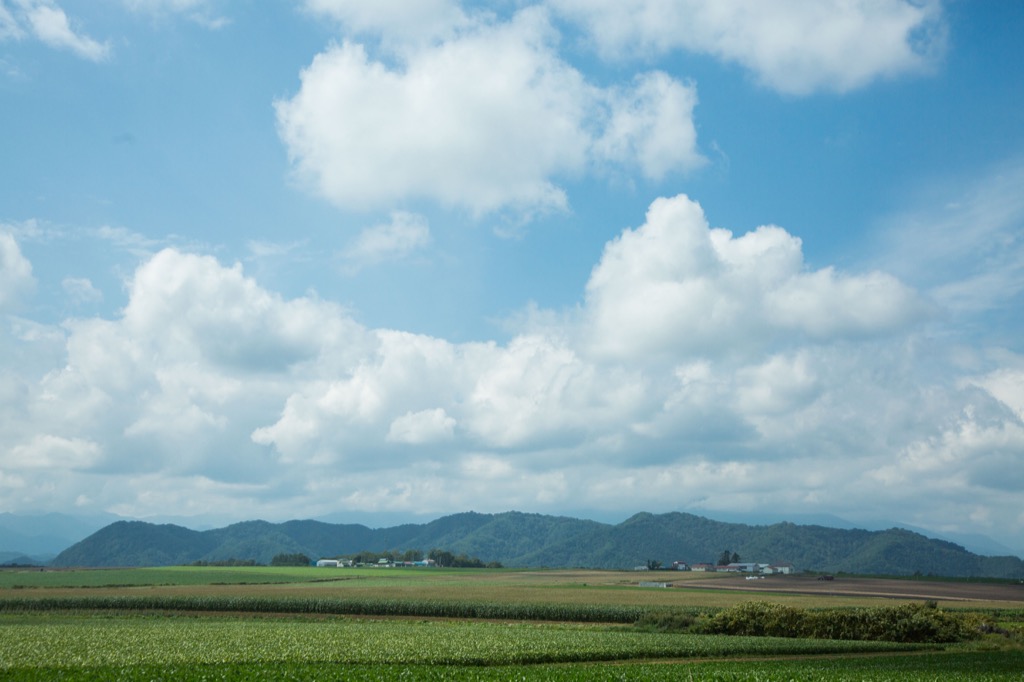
[(297, 559), (226, 562), (446, 559), (368, 557), (440, 557), (725, 559)]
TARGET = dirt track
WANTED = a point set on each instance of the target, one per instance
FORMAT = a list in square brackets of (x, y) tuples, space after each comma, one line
[(867, 587)]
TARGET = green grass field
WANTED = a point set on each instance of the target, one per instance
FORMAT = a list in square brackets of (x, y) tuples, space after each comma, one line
[(213, 623)]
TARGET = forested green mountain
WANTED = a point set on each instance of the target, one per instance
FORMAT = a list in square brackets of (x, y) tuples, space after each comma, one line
[(518, 539)]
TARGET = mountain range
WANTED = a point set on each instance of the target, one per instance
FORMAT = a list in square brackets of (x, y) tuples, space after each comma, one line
[(535, 540), (38, 538)]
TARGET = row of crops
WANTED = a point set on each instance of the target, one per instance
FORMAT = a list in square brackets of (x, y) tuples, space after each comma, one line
[(900, 623), (992, 667), (39, 640), (426, 608), (43, 646)]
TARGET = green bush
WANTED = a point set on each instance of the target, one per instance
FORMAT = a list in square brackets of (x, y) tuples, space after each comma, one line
[(757, 619), (903, 623)]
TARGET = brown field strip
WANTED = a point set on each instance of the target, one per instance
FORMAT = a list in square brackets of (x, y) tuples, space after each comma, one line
[(954, 592)]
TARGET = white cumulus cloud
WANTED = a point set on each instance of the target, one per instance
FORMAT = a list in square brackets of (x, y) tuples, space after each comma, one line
[(53, 452), (675, 286), (489, 119), (796, 46), (651, 126), (424, 426)]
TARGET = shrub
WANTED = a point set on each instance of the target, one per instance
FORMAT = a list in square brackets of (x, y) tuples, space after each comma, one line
[(908, 623), (757, 619)]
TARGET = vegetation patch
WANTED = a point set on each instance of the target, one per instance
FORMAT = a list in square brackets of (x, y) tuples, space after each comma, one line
[(916, 668), (46, 641), (902, 623), (577, 613)]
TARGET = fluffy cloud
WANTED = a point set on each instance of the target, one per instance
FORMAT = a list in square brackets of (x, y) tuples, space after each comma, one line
[(651, 127), (45, 20), (675, 287), (54, 452), (1005, 385), (15, 273), (796, 47), (697, 361), (189, 308), (488, 119), (425, 426)]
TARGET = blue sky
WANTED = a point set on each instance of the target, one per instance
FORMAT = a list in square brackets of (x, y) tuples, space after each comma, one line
[(326, 257)]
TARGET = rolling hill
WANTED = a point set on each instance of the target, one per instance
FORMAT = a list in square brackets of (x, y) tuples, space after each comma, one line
[(533, 540)]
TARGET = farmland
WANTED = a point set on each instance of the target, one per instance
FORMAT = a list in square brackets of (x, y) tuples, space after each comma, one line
[(305, 623)]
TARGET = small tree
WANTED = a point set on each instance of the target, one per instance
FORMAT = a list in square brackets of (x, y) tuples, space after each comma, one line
[(726, 558), (653, 564)]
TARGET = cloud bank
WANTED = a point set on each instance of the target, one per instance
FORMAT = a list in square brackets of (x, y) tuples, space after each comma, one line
[(696, 360)]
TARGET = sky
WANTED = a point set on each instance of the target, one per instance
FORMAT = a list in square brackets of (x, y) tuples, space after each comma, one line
[(391, 260)]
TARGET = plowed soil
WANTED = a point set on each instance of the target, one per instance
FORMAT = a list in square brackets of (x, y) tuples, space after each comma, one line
[(867, 587)]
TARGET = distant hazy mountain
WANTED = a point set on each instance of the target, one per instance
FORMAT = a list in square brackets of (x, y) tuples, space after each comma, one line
[(518, 539), (973, 542), (16, 559), (43, 536)]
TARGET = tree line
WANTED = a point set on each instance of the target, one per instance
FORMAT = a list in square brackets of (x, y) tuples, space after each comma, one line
[(440, 557)]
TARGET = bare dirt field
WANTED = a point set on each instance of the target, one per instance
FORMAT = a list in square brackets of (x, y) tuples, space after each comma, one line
[(867, 587)]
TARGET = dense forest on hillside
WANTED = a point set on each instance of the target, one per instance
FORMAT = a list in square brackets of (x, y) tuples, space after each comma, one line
[(534, 540)]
